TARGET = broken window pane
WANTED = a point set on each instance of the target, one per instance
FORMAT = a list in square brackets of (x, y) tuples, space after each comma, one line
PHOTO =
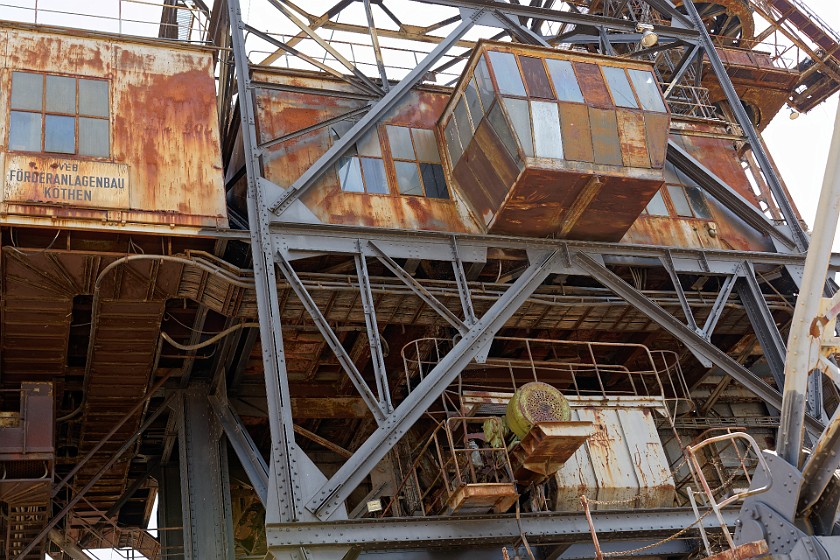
[(484, 83), (620, 87), (474, 103), (350, 175), (698, 203), (434, 180)]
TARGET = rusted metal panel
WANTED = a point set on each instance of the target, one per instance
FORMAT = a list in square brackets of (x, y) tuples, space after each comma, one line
[(605, 141), (623, 463), (592, 85), (495, 153), (577, 137), (281, 113), (164, 165), (656, 132), (631, 131)]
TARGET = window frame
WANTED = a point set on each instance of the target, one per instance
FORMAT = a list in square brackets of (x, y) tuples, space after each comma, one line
[(665, 193), (389, 163), (77, 117)]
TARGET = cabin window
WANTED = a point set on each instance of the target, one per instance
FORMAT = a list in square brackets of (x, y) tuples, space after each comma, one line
[(362, 169), (417, 162), (622, 93), (648, 90), (59, 114), (679, 201), (507, 73), (565, 81), (656, 206)]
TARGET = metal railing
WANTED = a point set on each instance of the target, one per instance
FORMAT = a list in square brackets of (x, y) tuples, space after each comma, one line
[(575, 367), (184, 21), (454, 456)]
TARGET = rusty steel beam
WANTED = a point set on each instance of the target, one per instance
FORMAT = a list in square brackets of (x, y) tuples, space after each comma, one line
[(332, 494)]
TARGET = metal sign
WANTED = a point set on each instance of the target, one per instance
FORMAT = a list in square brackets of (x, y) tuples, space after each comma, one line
[(65, 181)]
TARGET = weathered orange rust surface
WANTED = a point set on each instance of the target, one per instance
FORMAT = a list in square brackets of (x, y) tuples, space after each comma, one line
[(163, 127), (281, 112)]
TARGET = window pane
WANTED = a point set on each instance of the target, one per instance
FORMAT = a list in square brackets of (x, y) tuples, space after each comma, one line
[(61, 94), (656, 206), (520, 118), (94, 137), (476, 109), (503, 131), (535, 77), (648, 90), (407, 178), (679, 201), (60, 134), (484, 83), (507, 73), (547, 139), (27, 91), (465, 130), (453, 142), (426, 145), (565, 81), (698, 203), (350, 175), (620, 87), (400, 139), (369, 144), (374, 170), (25, 131), (93, 98), (434, 180)]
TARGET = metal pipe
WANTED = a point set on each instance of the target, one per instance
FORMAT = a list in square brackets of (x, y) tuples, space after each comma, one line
[(803, 347)]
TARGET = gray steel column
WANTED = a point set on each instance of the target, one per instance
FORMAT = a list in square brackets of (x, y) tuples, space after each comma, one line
[(169, 512), (282, 505), (202, 497)]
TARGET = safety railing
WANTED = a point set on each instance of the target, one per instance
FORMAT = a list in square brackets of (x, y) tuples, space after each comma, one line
[(710, 494), (577, 368), (184, 20), (456, 455)]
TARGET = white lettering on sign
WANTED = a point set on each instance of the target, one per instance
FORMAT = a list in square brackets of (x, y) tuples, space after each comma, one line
[(78, 183)]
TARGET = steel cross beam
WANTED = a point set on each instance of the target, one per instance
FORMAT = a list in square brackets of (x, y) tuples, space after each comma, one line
[(763, 323), (353, 472), (800, 238), (244, 447), (331, 156), (466, 530), (690, 338), (570, 17), (418, 289), (719, 305), (332, 340), (383, 389), (716, 187)]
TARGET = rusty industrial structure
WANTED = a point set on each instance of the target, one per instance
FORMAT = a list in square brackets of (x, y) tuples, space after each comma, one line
[(408, 279)]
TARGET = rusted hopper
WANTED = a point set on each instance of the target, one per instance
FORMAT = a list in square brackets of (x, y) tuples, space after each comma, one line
[(542, 142)]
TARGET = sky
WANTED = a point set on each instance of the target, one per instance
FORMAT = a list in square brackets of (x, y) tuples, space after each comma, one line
[(799, 147)]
